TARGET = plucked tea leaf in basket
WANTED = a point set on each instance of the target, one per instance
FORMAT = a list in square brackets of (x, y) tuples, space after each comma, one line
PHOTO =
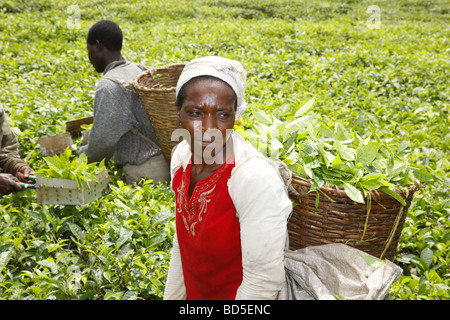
[(353, 193), (368, 152), (335, 156), (66, 166)]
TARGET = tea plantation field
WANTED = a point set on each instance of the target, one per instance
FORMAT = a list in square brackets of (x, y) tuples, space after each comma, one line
[(367, 63)]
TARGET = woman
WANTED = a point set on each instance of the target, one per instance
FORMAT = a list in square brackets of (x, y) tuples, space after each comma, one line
[(231, 204)]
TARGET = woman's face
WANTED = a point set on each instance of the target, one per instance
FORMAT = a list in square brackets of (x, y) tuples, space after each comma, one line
[(208, 115)]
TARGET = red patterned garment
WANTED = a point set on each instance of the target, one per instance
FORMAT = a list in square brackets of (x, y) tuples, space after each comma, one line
[(208, 233)]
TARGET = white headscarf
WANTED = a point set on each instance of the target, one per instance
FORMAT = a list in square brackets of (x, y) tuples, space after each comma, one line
[(230, 71)]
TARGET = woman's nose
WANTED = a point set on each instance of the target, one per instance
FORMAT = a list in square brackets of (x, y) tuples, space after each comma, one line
[(209, 123)]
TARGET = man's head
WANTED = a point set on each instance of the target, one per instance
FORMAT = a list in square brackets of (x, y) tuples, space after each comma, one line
[(104, 43)]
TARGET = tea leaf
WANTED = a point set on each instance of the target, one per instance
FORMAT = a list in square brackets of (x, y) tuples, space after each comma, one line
[(125, 235), (368, 153), (390, 191), (75, 229), (341, 132), (305, 108), (5, 256), (373, 261), (427, 256), (353, 193), (51, 265), (262, 116)]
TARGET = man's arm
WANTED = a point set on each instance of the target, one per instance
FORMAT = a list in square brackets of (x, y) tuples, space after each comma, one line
[(10, 161)]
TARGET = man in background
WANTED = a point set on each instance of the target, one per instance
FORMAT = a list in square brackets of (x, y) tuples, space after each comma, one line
[(12, 169), (121, 130)]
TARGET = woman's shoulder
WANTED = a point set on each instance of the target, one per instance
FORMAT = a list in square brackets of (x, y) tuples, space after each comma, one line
[(255, 171), (249, 161), (181, 155)]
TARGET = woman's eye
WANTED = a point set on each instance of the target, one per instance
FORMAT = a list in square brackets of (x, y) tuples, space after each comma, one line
[(224, 115), (193, 113)]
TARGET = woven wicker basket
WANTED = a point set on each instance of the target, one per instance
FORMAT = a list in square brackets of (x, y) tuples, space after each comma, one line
[(156, 90), (338, 219)]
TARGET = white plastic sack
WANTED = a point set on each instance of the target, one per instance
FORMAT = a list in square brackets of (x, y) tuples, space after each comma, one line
[(332, 271)]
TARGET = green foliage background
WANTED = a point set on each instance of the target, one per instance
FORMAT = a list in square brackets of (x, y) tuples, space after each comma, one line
[(394, 76)]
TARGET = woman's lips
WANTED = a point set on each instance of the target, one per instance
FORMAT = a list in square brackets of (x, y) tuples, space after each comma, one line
[(207, 142), (203, 142)]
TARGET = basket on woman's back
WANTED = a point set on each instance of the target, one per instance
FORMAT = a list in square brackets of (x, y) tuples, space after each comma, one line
[(156, 89), (374, 226)]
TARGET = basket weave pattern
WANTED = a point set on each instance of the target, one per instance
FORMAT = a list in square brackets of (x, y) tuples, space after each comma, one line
[(156, 90), (338, 219)]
